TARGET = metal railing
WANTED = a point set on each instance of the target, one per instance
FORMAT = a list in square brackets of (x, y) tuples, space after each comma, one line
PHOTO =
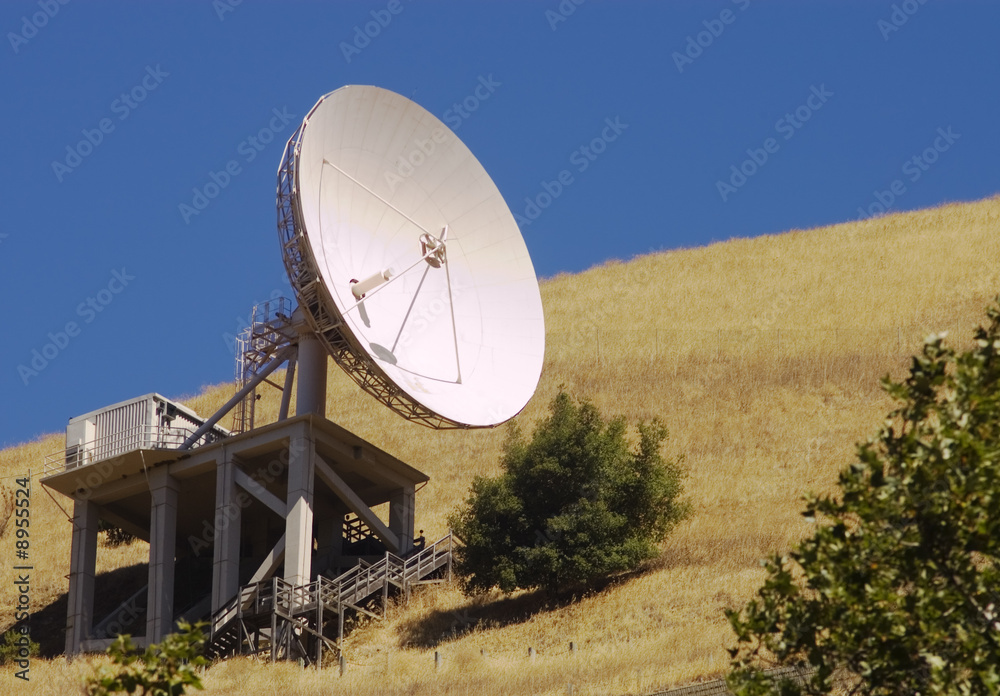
[(119, 443), (347, 589), (355, 529), (270, 330), (428, 560)]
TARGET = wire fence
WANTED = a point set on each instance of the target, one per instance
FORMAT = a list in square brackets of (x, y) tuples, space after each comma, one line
[(718, 687), (639, 680)]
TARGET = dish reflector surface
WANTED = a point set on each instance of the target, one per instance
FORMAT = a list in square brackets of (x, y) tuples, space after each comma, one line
[(378, 199)]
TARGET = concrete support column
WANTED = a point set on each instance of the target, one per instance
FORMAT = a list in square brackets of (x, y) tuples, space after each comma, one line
[(299, 521), (83, 561), (162, 540), (402, 506), (227, 523), (311, 395)]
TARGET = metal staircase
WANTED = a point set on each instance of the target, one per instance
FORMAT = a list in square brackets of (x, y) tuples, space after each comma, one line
[(270, 330), (285, 621)]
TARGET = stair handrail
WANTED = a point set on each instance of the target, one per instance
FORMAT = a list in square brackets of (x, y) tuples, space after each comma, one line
[(348, 588)]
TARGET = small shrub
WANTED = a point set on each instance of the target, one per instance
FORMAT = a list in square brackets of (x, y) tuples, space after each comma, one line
[(164, 669), (115, 536), (13, 642)]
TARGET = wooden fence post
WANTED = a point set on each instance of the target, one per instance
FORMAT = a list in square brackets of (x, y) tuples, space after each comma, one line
[(385, 586), (340, 625), (319, 625), (274, 619)]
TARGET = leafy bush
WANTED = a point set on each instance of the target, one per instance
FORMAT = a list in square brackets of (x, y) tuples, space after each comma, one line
[(164, 669), (573, 505), (898, 590)]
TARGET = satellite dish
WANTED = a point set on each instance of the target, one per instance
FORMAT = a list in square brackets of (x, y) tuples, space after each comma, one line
[(407, 262)]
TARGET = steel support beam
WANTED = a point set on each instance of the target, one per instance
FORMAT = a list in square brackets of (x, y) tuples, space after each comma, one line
[(357, 506), (281, 357), (271, 562), (273, 502), (286, 391)]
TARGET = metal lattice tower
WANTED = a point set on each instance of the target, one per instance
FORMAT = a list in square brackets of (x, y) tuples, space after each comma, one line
[(269, 331)]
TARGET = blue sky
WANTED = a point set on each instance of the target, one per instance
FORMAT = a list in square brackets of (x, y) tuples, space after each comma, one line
[(663, 125)]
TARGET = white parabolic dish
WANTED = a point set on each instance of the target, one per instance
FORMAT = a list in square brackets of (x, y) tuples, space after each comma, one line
[(376, 194)]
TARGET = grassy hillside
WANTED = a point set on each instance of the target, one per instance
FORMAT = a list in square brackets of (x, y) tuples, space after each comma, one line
[(762, 356)]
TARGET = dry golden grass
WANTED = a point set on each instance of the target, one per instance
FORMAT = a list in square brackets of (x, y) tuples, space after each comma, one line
[(762, 356)]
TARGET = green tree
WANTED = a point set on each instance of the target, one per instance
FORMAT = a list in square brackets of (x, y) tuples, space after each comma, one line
[(573, 505), (897, 591), (164, 669)]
